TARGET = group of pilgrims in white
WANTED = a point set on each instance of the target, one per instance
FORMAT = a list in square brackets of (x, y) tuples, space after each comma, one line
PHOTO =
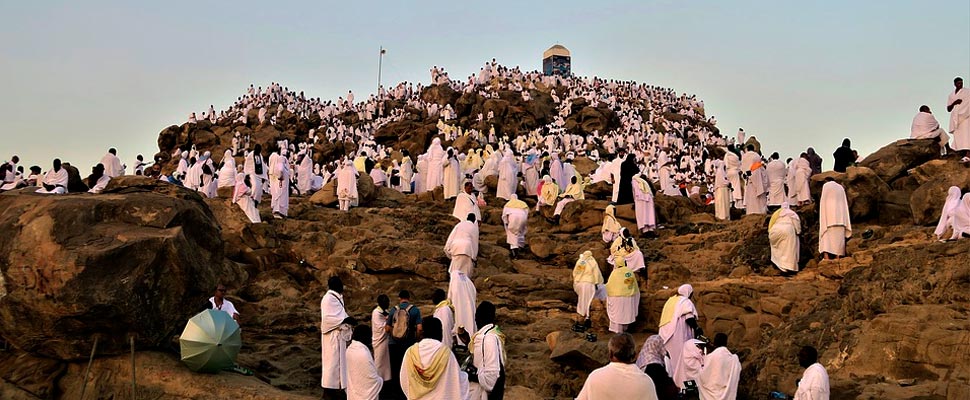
[(667, 148)]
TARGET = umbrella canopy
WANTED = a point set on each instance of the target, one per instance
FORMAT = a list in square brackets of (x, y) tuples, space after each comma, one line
[(210, 341)]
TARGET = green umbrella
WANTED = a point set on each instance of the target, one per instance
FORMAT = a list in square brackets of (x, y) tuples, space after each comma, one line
[(210, 341)]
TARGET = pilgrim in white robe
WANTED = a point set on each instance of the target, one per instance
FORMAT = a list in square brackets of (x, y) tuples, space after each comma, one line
[(406, 172), (776, 172), (783, 230), (363, 380), (462, 248), (611, 228), (630, 253), (227, 174), (587, 278), (572, 193), (548, 193), (925, 126), (960, 119), (722, 193), (693, 361), (243, 196), (951, 203), (755, 188), (732, 165), (451, 176), (112, 165), (508, 179), (466, 203), (281, 187), (814, 384), (379, 341), (643, 205), (515, 215), (834, 224), (334, 335), (719, 378), (304, 175), (668, 185), (960, 218), (618, 381), (58, 179), (347, 186), (430, 372), (421, 175), (800, 189), (436, 164), (445, 312), (675, 331), (530, 179), (622, 298), (488, 357), (100, 184)]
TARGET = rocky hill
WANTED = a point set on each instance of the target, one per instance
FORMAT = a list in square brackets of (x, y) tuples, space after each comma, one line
[(890, 320)]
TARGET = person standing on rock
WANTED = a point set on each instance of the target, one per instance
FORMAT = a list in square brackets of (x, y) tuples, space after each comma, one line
[(678, 324), (462, 248), (280, 182), (255, 168), (451, 175), (776, 172), (444, 311), (515, 216), (722, 192), (732, 165), (364, 381), (227, 170), (628, 169), (756, 187), (651, 361), (335, 333), (958, 105), (834, 225), (814, 160), (622, 297), (466, 203), (643, 205), (620, 379), (587, 280), (487, 346), (436, 164), (347, 186), (380, 337), (508, 179), (844, 156), (611, 227), (783, 230), (814, 384), (722, 371), (243, 196), (404, 324)]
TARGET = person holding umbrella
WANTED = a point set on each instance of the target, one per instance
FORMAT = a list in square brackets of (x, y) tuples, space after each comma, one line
[(219, 302)]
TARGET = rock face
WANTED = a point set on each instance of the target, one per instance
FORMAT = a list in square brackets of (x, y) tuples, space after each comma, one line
[(863, 188), (934, 179), (893, 160), (138, 259)]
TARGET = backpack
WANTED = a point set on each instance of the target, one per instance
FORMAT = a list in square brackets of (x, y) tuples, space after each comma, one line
[(402, 317)]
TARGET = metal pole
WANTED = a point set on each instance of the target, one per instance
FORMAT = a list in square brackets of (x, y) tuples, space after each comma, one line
[(84, 385), (380, 67), (132, 339)]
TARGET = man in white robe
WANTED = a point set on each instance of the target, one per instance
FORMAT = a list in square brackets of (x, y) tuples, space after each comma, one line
[(488, 355), (112, 164), (451, 176), (722, 371), (256, 169), (732, 165), (783, 230), (834, 223), (430, 370), (363, 380), (304, 173), (466, 203), (925, 126), (462, 248), (958, 105), (620, 379), (722, 192), (335, 332), (280, 183), (444, 311), (755, 188), (406, 172), (776, 172), (436, 164), (380, 337), (814, 384), (55, 180), (678, 321), (515, 216), (946, 220)]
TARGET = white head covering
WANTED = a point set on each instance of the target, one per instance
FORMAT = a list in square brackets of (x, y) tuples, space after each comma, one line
[(685, 290)]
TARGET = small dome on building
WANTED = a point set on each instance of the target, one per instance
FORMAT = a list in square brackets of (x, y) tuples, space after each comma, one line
[(557, 50)]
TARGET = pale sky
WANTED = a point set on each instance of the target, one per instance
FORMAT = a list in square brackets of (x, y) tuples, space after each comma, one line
[(80, 77)]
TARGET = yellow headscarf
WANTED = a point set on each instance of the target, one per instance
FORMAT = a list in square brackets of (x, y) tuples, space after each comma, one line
[(514, 202), (609, 220), (587, 269), (423, 381)]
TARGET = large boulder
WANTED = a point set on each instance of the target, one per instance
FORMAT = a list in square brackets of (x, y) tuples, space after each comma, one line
[(139, 260), (327, 195), (863, 188), (935, 178), (893, 160)]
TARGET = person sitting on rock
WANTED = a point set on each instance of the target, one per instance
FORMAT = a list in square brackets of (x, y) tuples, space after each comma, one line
[(55, 181), (219, 302), (611, 227), (925, 126), (721, 373)]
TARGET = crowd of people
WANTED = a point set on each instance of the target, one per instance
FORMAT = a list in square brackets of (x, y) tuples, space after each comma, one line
[(667, 147)]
